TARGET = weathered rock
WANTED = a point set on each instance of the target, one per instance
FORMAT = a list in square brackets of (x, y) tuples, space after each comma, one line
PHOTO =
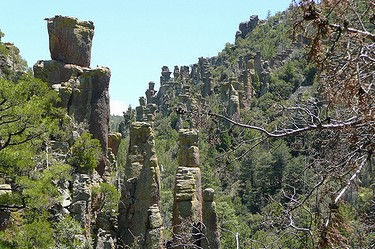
[(176, 72), (184, 72), (211, 228), (165, 75), (187, 205), (84, 93), (11, 61), (139, 215), (188, 146), (258, 63), (55, 72), (150, 93), (70, 40), (247, 27), (105, 240), (234, 102), (114, 140)]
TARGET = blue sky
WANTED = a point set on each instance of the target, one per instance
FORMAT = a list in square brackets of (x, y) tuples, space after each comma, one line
[(135, 38)]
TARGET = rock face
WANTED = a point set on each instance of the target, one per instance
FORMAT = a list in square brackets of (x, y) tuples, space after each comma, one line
[(70, 40), (187, 205), (84, 92), (140, 221), (80, 208)]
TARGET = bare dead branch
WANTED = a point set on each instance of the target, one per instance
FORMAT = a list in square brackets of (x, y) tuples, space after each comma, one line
[(353, 121)]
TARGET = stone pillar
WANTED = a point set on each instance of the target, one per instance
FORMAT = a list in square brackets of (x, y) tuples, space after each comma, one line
[(139, 207), (211, 229), (114, 140), (165, 75), (258, 64), (184, 72), (84, 92), (234, 102), (150, 93), (176, 73), (265, 78), (187, 205)]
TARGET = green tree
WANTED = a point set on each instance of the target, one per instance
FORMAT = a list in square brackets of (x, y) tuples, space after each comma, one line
[(85, 153)]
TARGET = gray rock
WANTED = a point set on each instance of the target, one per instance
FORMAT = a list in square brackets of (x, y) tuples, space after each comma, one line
[(70, 40)]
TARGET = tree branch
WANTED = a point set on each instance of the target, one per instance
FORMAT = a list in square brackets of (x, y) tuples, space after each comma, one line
[(366, 34), (287, 132)]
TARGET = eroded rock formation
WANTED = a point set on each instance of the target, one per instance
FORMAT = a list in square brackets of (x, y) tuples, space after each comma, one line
[(211, 228), (70, 40), (187, 205), (84, 91), (247, 27), (139, 207)]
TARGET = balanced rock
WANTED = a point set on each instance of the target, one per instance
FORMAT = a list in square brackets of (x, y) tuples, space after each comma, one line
[(70, 40)]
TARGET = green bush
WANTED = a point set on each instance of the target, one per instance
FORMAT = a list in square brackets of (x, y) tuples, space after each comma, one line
[(85, 153)]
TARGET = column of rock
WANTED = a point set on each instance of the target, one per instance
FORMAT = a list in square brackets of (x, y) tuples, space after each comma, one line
[(187, 205), (84, 92), (234, 102), (211, 228), (140, 222), (150, 93)]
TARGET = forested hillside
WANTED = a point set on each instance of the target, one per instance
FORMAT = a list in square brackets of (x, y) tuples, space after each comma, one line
[(285, 134), (269, 144)]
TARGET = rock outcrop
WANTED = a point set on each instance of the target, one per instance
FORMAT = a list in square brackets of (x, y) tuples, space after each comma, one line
[(247, 27), (187, 205), (140, 221), (114, 140), (84, 91), (80, 208), (211, 228)]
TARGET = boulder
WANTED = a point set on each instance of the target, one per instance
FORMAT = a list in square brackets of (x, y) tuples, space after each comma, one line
[(114, 140), (70, 40)]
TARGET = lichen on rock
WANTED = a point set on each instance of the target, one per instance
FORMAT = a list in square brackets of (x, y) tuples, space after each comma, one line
[(70, 40)]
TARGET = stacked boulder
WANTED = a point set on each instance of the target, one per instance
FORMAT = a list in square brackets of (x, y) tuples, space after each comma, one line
[(84, 92), (194, 217), (187, 205)]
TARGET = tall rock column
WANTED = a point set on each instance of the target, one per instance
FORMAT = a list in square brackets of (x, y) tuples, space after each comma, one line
[(83, 91), (140, 221), (187, 205), (211, 228)]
